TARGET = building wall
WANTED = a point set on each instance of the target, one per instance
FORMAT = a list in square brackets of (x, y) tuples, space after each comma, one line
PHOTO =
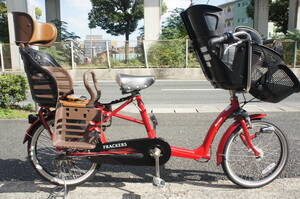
[(235, 14), (241, 17), (227, 16)]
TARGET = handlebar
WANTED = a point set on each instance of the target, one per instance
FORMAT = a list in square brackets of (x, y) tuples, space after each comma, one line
[(236, 38), (229, 37), (94, 97), (221, 39)]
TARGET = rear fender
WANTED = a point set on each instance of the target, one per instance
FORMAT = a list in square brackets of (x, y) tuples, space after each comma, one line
[(33, 127), (228, 133)]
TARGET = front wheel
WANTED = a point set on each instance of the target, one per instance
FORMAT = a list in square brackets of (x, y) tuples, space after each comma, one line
[(53, 165), (247, 170)]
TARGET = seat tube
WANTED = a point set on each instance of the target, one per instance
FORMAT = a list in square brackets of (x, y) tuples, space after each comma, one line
[(145, 117)]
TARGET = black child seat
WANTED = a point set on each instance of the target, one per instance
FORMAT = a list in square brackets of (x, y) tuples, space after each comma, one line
[(202, 24), (271, 80)]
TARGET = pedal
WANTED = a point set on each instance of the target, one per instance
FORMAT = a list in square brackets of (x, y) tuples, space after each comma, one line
[(157, 181)]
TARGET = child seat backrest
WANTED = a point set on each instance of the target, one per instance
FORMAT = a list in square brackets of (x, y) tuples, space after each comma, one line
[(202, 24), (47, 79)]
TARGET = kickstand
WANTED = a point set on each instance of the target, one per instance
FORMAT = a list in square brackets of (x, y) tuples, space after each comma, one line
[(56, 192), (157, 181)]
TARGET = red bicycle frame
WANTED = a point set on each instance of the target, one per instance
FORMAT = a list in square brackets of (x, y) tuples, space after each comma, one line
[(202, 151)]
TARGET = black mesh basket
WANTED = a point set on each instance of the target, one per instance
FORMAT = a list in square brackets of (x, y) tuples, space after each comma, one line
[(272, 81)]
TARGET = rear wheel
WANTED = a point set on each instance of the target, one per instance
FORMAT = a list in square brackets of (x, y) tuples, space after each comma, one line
[(55, 166), (247, 170)]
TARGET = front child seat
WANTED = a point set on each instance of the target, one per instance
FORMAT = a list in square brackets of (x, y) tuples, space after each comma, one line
[(47, 79)]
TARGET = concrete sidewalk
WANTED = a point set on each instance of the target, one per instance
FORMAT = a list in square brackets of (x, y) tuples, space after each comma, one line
[(280, 188)]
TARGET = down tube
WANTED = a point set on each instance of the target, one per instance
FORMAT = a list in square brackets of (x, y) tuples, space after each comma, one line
[(214, 128)]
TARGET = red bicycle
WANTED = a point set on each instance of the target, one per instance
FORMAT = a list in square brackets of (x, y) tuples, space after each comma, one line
[(66, 139)]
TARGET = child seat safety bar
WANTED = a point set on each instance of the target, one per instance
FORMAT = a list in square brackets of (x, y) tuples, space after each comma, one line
[(94, 97)]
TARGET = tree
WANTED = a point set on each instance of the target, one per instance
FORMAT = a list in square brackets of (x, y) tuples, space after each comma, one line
[(278, 14), (62, 31), (4, 35), (62, 52), (170, 53), (174, 27), (38, 13), (117, 17)]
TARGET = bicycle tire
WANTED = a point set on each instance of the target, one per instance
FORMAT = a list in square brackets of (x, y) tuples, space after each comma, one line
[(245, 169), (42, 156)]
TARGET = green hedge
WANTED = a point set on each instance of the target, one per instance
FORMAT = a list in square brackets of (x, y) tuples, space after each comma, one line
[(12, 89)]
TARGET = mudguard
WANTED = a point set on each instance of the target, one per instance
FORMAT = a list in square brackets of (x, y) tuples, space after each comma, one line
[(33, 127), (228, 133)]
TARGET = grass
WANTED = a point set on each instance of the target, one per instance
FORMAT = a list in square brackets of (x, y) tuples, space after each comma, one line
[(13, 113), (16, 112)]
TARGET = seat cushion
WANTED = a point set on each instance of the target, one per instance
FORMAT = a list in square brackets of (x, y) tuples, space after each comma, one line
[(132, 83)]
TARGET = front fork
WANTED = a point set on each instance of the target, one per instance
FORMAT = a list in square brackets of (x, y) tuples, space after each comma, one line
[(245, 136)]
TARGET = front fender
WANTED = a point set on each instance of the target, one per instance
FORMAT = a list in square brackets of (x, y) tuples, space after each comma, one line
[(228, 133)]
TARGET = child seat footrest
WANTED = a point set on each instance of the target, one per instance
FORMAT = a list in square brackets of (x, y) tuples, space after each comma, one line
[(71, 127)]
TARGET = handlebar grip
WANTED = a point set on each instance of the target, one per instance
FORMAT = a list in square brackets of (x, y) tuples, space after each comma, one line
[(220, 39), (217, 40)]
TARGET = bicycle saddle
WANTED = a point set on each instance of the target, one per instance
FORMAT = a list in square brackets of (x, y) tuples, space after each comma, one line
[(132, 83)]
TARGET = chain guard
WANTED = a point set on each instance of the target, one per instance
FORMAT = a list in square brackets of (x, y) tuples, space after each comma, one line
[(141, 146)]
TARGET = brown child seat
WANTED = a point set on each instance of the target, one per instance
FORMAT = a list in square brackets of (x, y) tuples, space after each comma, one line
[(51, 85), (47, 79)]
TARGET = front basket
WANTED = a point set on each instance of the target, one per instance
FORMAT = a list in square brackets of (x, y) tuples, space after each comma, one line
[(272, 81)]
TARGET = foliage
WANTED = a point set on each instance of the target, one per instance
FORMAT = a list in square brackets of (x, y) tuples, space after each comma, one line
[(116, 17), (62, 31), (58, 51), (38, 13), (61, 52), (13, 113), (293, 35), (289, 47), (278, 13), (174, 27), (4, 35), (131, 63), (168, 53), (12, 89)]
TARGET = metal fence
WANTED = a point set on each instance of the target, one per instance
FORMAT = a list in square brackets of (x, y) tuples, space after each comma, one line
[(134, 54)]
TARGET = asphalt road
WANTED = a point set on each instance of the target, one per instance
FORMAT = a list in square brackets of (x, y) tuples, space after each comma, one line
[(164, 93), (182, 130)]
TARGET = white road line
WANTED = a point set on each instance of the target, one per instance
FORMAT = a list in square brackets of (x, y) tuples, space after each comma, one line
[(190, 89)]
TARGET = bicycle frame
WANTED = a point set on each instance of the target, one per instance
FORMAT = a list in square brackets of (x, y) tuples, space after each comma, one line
[(203, 151)]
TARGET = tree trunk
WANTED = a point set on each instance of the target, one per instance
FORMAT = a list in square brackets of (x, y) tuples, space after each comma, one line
[(126, 47)]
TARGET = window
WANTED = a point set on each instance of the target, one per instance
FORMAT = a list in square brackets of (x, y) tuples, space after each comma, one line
[(245, 3), (238, 20), (239, 4), (229, 9)]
